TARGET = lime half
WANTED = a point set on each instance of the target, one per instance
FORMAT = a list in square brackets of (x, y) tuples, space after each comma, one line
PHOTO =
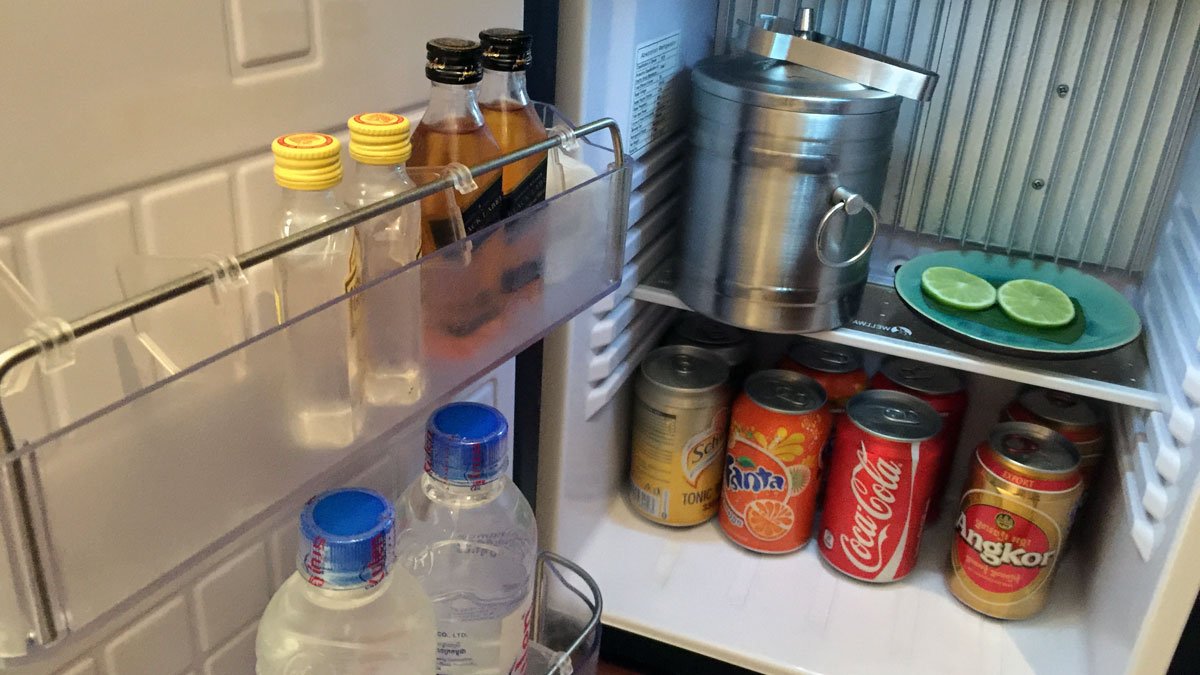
[(959, 289), (1035, 303)]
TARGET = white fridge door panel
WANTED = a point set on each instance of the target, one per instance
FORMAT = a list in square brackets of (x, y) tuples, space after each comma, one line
[(161, 87)]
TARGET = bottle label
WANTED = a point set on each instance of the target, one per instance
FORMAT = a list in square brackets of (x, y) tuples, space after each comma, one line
[(499, 646), (525, 261), (354, 277), (528, 192), (486, 209)]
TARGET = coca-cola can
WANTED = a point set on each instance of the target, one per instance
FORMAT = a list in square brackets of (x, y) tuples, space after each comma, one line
[(1013, 520), (1072, 416), (944, 390), (881, 476)]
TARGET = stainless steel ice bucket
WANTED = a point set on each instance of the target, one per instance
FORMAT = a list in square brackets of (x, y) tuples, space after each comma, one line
[(786, 162)]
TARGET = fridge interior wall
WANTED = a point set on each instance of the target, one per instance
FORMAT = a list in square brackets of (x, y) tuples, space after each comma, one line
[(1126, 588), (143, 129)]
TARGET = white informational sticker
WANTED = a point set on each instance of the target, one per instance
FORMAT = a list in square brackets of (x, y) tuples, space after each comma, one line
[(657, 105)]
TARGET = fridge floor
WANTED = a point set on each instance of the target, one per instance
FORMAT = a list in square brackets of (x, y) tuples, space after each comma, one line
[(792, 614)]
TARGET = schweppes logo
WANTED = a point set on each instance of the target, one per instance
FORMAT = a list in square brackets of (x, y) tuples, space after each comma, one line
[(704, 448)]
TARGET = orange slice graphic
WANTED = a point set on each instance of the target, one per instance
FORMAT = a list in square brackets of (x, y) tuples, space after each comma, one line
[(769, 519)]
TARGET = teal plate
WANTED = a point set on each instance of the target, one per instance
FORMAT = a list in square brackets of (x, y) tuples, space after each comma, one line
[(1109, 320)]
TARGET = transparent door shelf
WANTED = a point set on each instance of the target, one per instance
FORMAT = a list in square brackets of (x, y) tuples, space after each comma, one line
[(886, 325), (124, 496)]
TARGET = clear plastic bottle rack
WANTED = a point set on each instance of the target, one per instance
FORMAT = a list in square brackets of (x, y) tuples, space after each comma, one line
[(205, 435)]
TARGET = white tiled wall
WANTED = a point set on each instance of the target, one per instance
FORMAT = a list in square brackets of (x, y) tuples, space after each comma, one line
[(141, 129), (155, 142), (83, 258)]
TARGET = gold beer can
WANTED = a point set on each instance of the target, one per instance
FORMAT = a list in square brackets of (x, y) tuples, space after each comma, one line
[(680, 419), (1014, 516)]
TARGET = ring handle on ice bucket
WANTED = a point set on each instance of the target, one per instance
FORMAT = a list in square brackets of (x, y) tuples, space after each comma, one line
[(852, 203)]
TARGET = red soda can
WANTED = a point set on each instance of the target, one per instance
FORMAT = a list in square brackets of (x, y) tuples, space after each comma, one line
[(882, 473), (1072, 416), (946, 392)]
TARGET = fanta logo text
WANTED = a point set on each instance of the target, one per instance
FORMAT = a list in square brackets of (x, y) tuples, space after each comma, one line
[(995, 553), (752, 478), (874, 487)]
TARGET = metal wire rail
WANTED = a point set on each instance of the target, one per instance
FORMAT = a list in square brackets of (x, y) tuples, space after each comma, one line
[(547, 565), (30, 559)]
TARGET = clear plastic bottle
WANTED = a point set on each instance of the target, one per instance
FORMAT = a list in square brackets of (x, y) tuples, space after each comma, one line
[(347, 610), (387, 317), (510, 116), (466, 305), (452, 130), (323, 387), (468, 536)]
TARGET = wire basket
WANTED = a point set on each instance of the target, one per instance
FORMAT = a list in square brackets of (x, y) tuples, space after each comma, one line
[(566, 622)]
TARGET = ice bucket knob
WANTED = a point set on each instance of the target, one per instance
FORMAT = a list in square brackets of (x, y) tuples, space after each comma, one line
[(773, 38)]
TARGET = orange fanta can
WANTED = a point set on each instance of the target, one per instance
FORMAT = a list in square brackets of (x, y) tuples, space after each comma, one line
[(778, 427)]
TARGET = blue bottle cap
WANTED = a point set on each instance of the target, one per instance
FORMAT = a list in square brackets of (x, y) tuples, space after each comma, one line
[(464, 443), (347, 539)]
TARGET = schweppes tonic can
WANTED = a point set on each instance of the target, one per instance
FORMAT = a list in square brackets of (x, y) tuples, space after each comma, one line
[(1013, 519), (680, 417)]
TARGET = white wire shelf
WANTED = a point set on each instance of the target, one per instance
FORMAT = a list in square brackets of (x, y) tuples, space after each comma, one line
[(884, 324)]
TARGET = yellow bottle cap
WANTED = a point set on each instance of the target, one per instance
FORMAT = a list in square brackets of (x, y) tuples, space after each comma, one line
[(379, 138), (307, 161)]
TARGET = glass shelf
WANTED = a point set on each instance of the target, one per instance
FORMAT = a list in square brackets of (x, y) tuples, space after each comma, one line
[(215, 447), (886, 325)]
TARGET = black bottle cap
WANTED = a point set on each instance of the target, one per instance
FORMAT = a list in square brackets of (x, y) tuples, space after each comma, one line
[(453, 61), (506, 49)]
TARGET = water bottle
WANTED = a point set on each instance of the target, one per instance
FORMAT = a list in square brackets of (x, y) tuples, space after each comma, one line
[(468, 536), (347, 610), (387, 318), (321, 386)]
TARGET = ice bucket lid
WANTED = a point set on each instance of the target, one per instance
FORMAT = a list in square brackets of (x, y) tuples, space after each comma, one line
[(768, 83)]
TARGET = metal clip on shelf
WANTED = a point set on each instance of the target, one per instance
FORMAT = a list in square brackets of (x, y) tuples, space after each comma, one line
[(50, 342)]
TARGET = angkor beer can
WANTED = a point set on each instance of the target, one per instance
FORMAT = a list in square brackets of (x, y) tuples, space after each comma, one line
[(881, 475), (1068, 414), (839, 369), (1013, 520), (778, 427), (944, 390), (730, 343), (680, 416)]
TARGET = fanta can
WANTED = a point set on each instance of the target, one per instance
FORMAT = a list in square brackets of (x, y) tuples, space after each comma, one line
[(778, 427)]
